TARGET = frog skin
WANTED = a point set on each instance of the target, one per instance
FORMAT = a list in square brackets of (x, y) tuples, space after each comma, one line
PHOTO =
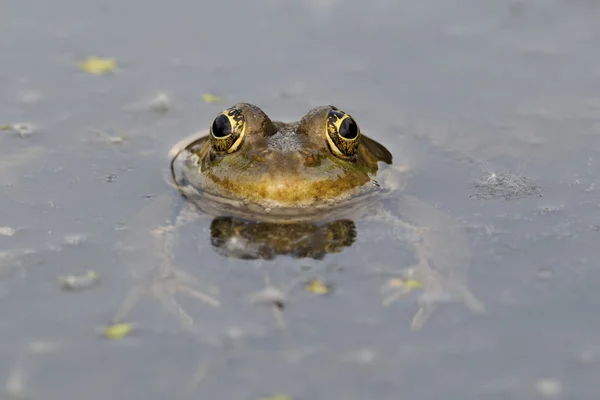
[(278, 171)]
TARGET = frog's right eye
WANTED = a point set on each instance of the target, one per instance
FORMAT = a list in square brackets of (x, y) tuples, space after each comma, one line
[(342, 133), (228, 130)]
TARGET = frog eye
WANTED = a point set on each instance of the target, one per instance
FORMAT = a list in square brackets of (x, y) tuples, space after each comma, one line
[(342, 133), (228, 130)]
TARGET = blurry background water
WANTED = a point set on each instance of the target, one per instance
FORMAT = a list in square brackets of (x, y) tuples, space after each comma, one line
[(464, 90)]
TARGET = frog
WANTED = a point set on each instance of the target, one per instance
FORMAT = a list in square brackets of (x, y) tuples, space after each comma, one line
[(295, 188), (249, 166)]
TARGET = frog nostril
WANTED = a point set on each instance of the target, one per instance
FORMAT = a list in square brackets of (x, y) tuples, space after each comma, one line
[(262, 154), (309, 158)]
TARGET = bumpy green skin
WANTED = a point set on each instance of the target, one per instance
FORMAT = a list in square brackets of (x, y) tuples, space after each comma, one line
[(283, 164)]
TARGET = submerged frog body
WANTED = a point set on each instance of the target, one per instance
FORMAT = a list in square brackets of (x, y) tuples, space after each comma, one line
[(278, 188)]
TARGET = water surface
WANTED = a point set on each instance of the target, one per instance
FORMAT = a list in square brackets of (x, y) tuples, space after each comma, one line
[(458, 89)]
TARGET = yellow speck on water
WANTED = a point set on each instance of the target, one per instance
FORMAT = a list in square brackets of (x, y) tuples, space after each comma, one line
[(117, 331), (23, 129), (211, 98), (410, 283), (317, 286), (278, 396), (98, 66)]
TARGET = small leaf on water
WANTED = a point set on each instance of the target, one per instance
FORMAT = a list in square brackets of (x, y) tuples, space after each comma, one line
[(410, 283), (98, 66), (211, 98), (317, 286), (278, 396), (117, 331)]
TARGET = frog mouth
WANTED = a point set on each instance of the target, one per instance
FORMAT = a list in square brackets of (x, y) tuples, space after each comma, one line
[(218, 205)]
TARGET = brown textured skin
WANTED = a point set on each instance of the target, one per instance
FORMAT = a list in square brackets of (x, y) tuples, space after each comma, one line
[(283, 164)]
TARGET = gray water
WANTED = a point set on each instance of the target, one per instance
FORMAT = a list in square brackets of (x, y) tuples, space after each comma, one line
[(460, 90)]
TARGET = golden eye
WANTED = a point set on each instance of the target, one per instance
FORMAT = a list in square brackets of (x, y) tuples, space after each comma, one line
[(342, 133), (228, 130)]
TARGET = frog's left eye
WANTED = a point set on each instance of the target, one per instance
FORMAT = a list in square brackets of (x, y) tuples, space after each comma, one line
[(228, 130), (342, 132)]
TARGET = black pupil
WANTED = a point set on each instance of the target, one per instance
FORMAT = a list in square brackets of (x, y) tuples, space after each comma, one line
[(348, 129), (221, 127)]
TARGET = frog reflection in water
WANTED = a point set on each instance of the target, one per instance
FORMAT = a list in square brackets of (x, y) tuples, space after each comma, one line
[(235, 237), (295, 188)]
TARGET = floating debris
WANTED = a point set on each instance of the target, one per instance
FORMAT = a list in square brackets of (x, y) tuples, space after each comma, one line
[(22, 129), (104, 137), (161, 103), (73, 282), (271, 296), (74, 239), (98, 66), (116, 140), (507, 185), (7, 231), (212, 99), (396, 288), (118, 331), (549, 388), (404, 283), (278, 396), (317, 286)]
